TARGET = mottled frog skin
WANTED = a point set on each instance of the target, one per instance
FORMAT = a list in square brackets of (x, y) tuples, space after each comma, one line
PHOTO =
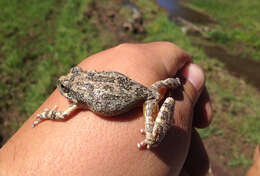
[(107, 93), (110, 93)]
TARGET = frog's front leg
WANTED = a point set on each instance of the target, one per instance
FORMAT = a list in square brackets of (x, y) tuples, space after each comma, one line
[(53, 114), (156, 124)]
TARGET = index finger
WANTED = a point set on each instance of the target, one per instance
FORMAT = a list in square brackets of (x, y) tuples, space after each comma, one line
[(146, 63)]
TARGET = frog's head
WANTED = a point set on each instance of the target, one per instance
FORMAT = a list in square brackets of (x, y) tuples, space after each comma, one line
[(65, 83)]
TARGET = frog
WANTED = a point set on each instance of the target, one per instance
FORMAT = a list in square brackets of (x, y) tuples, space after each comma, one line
[(111, 93)]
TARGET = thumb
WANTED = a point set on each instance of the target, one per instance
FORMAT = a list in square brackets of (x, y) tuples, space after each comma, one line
[(195, 81), (175, 147), (192, 88)]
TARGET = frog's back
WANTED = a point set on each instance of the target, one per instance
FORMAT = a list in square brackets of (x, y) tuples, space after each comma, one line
[(111, 93)]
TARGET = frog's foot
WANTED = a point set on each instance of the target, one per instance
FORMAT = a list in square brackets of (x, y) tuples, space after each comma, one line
[(46, 114), (53, 114), (143, 145)]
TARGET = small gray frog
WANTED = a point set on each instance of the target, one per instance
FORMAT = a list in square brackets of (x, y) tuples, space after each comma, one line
[(110, 93)]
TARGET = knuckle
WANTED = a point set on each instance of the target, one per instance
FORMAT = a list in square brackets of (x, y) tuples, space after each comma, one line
[(131, 49), (127, 46)]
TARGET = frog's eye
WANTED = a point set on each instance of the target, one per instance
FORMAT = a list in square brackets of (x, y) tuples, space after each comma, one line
[(64, 88)]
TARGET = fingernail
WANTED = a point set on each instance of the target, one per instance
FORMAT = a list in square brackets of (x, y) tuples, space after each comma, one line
[(194, 74), (209, 112)]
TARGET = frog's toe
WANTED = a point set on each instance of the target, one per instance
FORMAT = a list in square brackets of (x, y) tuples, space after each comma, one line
[(39, 118), (143, 145), (46, 110), (44, 115), (37, 121), (142, 131)]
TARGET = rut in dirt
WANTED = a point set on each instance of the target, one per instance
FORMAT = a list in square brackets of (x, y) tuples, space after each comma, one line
[(245, 68)]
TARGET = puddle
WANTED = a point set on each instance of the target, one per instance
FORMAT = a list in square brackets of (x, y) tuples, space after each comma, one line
[(130, 5), (245, 68), (177, 9)]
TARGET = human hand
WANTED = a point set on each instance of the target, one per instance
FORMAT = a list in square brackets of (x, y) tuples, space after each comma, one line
[(88, 144)]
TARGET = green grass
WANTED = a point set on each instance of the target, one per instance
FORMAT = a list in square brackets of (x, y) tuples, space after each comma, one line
[(212, 130), (239, 160), (42, 48), (68, 49), (238, 23)]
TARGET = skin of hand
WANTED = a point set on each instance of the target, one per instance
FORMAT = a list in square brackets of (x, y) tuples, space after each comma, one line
[(88, 144), (255, 168)]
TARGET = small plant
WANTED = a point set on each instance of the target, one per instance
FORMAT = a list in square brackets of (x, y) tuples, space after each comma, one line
[(220, 36), (239, 161), (210, 131)]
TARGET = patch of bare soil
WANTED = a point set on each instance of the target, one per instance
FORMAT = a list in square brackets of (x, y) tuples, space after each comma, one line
[(118, 23), (224, 146), (220, 155)]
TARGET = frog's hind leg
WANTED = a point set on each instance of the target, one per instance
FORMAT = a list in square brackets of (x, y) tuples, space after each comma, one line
[(53, 114), (164, 120), (156, 124), (150, 111)]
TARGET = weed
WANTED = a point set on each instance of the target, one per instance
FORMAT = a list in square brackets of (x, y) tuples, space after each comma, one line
[(219, 36), (210, 131), (239, 161)]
